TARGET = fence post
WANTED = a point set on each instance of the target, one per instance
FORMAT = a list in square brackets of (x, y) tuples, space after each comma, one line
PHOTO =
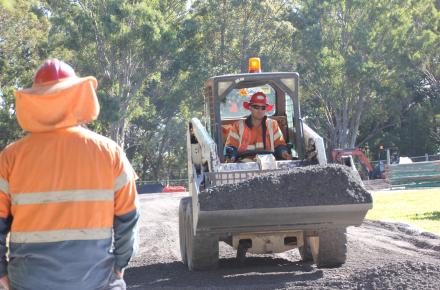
[(426, 157), (388, 157)]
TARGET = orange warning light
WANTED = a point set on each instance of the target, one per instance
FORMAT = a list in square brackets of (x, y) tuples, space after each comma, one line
[(254, 65)]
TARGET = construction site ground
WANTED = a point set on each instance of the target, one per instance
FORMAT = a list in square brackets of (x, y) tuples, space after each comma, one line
[(380, 256)]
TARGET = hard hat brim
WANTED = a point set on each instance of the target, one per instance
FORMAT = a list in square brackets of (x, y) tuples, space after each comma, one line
[(247, 105), (60, 104), (48, 88)]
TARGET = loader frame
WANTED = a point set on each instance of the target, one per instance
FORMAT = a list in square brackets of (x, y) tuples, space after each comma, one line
[(288, 227)]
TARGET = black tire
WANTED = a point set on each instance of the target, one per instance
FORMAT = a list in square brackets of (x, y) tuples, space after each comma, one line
[(201, 250), (182, 231), (332, 248), (305, 252)]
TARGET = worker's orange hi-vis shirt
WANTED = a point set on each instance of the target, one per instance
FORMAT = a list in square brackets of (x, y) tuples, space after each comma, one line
[(68, 196), (49, 184)]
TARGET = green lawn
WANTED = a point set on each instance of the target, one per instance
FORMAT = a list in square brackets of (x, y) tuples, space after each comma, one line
[(420, 208)]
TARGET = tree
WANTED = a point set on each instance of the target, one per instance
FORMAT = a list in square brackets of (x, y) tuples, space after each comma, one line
[(123, 43), (134, 50), (23, 45), (356, 63), (367, 68), (415, 88), (233, 31)]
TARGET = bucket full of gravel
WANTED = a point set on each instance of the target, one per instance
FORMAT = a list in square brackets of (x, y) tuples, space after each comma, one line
[(315, 185)]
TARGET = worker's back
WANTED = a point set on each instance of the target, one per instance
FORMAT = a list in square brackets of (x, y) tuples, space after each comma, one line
[(62, 186), (67, 195)]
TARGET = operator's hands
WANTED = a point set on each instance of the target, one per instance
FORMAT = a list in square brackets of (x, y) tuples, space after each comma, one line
[(231, 159), (4, 281), (286, 155)]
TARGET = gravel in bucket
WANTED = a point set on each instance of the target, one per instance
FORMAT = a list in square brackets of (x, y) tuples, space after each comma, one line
[(331, 184)]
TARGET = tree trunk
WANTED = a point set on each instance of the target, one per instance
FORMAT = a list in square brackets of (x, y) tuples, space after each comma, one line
[(223, 32)]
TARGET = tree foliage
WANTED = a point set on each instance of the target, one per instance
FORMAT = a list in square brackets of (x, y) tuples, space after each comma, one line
[(369, 70), (23, 45), (358, 61)]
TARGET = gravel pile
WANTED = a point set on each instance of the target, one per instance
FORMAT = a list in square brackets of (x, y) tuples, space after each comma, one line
[(399, 276), (304, 186), (381, 255)]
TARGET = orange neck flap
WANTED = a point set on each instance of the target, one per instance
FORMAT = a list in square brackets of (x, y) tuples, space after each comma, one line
[(72, 106)]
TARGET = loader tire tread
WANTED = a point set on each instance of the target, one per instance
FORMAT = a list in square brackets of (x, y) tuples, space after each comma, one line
[(201, 250), (332, 248), (305, 252), (182, 231)]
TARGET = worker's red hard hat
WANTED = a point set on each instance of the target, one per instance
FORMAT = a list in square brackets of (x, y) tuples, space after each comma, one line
[(55, 75), (53, 70)]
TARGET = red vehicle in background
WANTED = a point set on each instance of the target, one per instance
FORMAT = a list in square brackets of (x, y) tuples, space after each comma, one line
[(176, 188), (356, 155)]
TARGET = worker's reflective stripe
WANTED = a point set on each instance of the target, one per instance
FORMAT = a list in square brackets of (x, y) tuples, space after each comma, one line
[(4, 186), (121, 180), (270, 125), (240, 131), (61, 235), (234, 135), (278, 135), (62, 196)]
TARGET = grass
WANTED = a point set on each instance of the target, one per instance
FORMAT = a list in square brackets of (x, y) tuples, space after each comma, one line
[(420, 208)]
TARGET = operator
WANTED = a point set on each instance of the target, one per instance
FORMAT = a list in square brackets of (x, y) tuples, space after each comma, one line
[(67, 195), (247, 135)]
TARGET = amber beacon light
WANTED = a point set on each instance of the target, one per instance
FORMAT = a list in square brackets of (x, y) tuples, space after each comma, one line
[(254, 65)]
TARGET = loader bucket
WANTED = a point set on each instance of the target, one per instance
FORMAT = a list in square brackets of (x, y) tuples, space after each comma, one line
[(306, 198)]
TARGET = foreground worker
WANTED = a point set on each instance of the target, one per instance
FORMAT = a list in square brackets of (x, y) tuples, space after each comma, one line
[(247, 135), (65, 191)]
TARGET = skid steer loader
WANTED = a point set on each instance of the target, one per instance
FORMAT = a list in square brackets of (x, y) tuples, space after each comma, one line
[(318, 230)]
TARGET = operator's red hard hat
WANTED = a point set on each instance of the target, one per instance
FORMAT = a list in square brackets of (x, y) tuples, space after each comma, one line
[(258, 98)]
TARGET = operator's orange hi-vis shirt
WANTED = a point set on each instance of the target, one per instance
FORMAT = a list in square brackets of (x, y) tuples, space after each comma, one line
[(244, 138)]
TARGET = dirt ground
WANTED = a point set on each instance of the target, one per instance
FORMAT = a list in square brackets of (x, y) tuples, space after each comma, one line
[(380, 256)]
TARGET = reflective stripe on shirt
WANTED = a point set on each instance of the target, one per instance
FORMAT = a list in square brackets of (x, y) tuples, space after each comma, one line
[(4, 186), (271, 137), (278, 135), (251, 147), (60, 235), (234, 135), (241, 130), (121, 180), (62, 196)]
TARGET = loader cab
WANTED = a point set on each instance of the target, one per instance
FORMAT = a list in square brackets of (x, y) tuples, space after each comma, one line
[(224, 97)]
